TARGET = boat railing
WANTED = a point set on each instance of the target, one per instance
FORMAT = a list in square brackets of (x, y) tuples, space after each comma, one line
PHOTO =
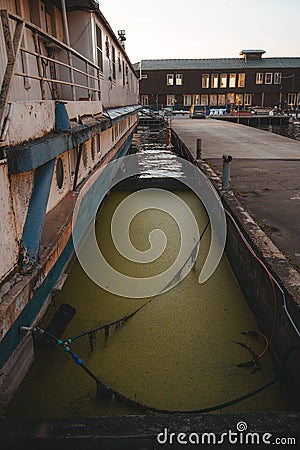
[(33, 54)]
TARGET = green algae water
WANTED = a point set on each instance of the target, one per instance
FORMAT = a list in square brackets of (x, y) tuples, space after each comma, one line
[(179, 352)]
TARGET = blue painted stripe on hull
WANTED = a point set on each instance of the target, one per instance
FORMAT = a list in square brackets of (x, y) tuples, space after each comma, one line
[(12, 339), (28, 157)]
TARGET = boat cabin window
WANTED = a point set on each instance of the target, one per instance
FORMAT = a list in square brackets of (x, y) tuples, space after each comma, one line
[(113, 58), (99, 48), (123, 72)]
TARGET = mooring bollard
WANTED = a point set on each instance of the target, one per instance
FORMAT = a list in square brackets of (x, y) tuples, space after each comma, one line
[(226, 171), (199, 148)]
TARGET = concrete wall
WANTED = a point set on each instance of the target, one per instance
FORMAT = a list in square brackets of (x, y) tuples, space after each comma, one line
[(257, 289), (255, 283)]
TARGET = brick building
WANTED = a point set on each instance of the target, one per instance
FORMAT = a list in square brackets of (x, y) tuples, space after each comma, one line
[(250, 80)]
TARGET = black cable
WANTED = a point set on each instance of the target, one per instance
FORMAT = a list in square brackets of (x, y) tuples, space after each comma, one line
[(272, 382)]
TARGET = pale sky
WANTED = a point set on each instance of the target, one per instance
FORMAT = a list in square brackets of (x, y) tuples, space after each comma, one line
[(157, 29)]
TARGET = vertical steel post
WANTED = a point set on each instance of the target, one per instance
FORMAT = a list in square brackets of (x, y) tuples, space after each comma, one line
[(69, 54), (226, 171), (199, 149)]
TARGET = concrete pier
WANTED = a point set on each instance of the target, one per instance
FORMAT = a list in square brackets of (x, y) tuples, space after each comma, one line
[(264, 174)]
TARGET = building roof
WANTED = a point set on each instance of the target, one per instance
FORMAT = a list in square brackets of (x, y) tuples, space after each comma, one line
[(220, 63), (259, 52)]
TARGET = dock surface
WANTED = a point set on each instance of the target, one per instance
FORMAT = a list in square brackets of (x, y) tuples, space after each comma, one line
[(264, 174)]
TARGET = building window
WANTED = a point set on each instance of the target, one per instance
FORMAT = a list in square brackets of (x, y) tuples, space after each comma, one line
[(196, 99), (268, 78), (204, 100), (221, 99), (230, 99), (113, 57), (59, 173), (223, 80), (170, 100), (248, 99), (145, 100), (179, 79), (291, 99), (241, 80), (99, 48), (187, 100), (214, 80), (205, 81), (170, 80), (259, 78), (277, 78), (239, 99), (213, 100), (232, 80)]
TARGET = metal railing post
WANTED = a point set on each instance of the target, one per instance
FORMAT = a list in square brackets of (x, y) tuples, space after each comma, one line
[(40, 65)]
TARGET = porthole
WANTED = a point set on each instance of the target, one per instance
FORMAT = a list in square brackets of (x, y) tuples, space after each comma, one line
[(59, 173)]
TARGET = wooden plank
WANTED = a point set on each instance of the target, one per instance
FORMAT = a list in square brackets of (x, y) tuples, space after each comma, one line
[(12, 51)]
